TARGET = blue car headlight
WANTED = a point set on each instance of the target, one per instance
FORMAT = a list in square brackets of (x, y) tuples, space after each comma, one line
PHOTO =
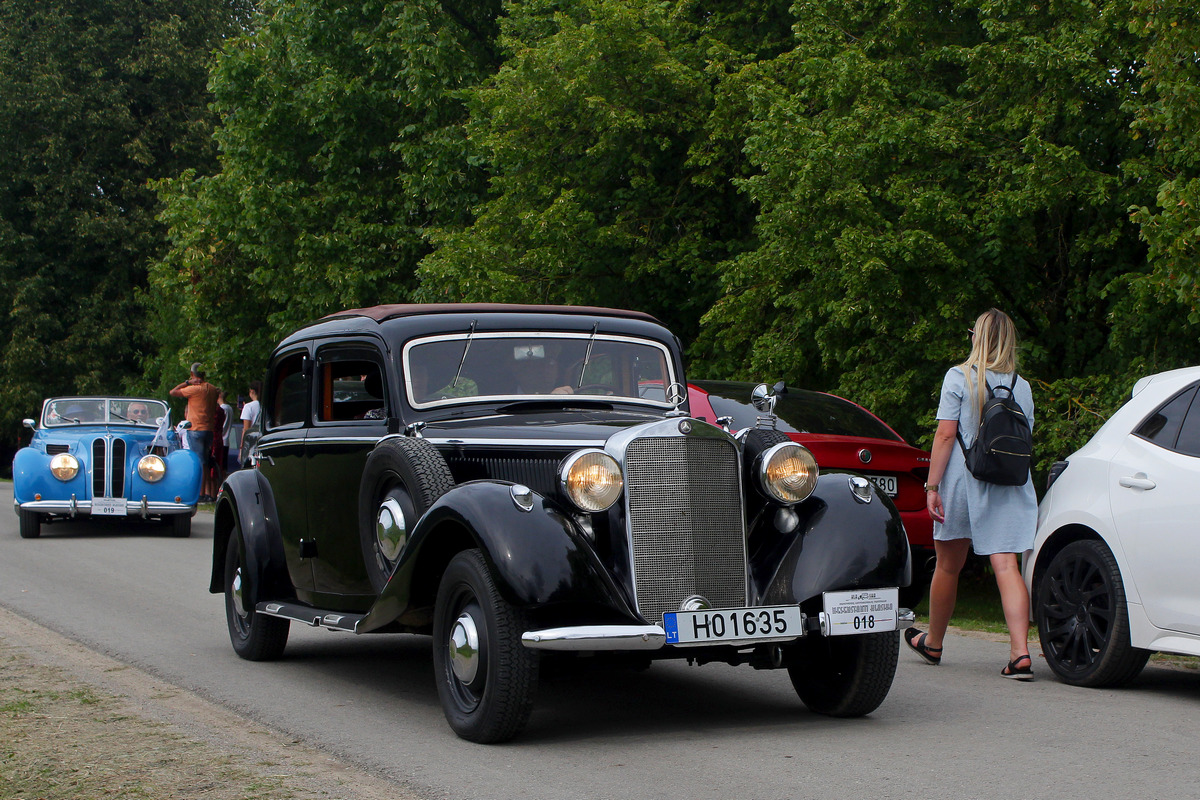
[(152, 468), (64, 466)]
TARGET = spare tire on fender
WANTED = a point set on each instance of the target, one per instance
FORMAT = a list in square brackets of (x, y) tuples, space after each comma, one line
[(402, 478)]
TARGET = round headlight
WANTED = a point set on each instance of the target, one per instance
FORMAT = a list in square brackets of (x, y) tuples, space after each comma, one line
[(788, 473), (152, 468), (64, 466), (591, 479)]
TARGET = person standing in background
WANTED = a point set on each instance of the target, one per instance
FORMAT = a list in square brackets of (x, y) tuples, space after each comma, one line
[(250, 413), (221, 446), (202, 410)]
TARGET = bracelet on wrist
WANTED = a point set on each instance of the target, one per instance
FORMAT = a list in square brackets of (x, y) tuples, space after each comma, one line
[(931, 487)]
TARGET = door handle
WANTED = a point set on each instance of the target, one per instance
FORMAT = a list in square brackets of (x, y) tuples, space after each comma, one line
[(1139, 481)]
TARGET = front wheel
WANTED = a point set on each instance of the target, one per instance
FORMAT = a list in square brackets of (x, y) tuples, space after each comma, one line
[(844, 676), (31, 524), (486, 678), (181, 525), (1082, 618), (255, 637)]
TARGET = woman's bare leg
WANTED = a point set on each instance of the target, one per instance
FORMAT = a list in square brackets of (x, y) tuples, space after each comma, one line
[(1014, 598), (943, 589)]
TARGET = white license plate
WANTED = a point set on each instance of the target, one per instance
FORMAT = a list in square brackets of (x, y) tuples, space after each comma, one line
[(733, 625), (109, 506), (886, 483), (860, 611)]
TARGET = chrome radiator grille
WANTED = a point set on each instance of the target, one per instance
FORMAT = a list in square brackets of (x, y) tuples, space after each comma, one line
[(685, 522), (108, 468)]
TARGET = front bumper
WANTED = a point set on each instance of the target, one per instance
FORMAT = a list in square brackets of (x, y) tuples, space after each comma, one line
[(134, 508), (646, 637)]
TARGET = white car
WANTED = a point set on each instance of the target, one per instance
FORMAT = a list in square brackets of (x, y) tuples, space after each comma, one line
[(1112, 576)]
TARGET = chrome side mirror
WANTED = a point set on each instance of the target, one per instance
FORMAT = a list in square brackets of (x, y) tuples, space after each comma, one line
[(28, 423), (763, 399)]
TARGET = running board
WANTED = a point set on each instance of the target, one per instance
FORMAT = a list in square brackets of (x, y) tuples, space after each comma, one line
[(317, 618)]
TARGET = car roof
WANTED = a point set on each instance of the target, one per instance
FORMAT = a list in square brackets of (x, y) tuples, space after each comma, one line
[(1168, 381), (393, 311)]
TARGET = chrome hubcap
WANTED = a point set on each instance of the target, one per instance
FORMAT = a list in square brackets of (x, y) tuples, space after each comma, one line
[(391, 531), (464, 648), (236, 590)]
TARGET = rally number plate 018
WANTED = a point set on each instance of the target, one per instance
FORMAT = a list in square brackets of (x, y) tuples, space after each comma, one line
[(860, 611), (733, 625)]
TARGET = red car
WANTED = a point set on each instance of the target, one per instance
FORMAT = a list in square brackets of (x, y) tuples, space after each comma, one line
[(842, 436)]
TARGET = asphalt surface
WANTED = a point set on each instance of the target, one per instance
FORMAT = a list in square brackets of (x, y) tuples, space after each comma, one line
[(672, 731)]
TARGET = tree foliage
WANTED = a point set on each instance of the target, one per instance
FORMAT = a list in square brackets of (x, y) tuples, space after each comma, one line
[(96, 99), (341, 141)]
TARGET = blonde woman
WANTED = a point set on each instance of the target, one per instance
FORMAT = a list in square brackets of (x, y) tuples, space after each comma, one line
[(997, 521)]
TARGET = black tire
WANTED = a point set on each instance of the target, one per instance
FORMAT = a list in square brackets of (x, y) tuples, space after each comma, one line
[(181, 525), (255, 637), (401, 480), (486, 688), (31, 524), (1083, 620), (844, 676), (912, 595)]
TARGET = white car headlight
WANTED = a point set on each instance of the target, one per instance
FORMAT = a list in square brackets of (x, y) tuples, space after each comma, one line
[(788, 473), (64, 466), (152, 468), (591, 479)]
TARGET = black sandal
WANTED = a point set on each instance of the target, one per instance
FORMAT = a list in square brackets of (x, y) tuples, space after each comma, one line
[(1024, 673), (932, 655)]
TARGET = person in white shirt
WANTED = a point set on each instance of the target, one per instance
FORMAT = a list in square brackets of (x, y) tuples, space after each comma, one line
[(250, 413)]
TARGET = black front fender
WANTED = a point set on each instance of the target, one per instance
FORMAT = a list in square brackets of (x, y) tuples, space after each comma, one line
[(246, 498), (538, 557), (838, 543)]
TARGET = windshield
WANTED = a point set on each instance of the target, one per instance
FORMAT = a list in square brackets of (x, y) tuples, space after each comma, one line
[(65, 411), (799, 411), (444, 370)]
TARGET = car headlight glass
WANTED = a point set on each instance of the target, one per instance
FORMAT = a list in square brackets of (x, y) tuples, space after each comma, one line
[(152, 468), (788, 473), (591, 479), (64, 466)]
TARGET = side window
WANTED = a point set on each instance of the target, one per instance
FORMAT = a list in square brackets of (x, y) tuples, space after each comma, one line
[(289, 394), (1163, 426), (1189, 433), (350, 385)]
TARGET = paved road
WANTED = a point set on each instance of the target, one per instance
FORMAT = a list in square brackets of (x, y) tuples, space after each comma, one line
[(673, 731)]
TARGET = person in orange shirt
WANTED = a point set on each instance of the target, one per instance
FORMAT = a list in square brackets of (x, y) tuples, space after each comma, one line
[(202, 414)]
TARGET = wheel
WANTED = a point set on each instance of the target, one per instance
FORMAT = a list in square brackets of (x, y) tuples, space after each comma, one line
[(181, 525), (1082, 618), (31, 524), (912, 595), (486, 678), (255, 637), (401, 480), (844, 676)]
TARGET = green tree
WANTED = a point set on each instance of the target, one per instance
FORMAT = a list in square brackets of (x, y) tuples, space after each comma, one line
[(919, 162), (606, 185), (96, 99), (341, 142)]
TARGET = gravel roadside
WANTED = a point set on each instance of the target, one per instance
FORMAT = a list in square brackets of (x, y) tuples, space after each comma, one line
[(77, 724)]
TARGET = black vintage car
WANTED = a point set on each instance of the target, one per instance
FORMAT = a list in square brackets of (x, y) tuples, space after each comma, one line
[(524, 482)]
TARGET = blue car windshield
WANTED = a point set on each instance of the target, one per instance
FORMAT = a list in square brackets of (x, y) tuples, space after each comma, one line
[(61, 412)]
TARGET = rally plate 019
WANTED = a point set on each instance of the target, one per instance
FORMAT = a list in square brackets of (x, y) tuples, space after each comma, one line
[(733, 625)]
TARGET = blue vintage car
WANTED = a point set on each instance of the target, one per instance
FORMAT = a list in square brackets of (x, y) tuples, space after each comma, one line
[(105, 457)]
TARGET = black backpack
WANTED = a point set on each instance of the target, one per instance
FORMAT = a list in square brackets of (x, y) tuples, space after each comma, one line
[(1003, 446)]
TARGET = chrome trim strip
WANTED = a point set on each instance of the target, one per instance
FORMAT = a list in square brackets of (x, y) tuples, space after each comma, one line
[(597, 637), (134, 508), (577, 443)]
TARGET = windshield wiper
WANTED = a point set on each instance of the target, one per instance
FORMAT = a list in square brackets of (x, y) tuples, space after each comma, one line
[(466, 349), (587, 356)]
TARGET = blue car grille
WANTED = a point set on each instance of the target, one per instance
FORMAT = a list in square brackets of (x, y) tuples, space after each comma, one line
[(685, 523), (108, 468)]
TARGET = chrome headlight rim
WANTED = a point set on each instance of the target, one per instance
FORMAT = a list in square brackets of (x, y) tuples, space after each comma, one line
[(591, 480), (152, 468), (787, 473), (64, 466)]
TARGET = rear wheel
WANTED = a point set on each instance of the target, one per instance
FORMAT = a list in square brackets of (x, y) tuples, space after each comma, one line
[(31, 524), (255, 637), (1083, 620), (844, 676), (486, 678)]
